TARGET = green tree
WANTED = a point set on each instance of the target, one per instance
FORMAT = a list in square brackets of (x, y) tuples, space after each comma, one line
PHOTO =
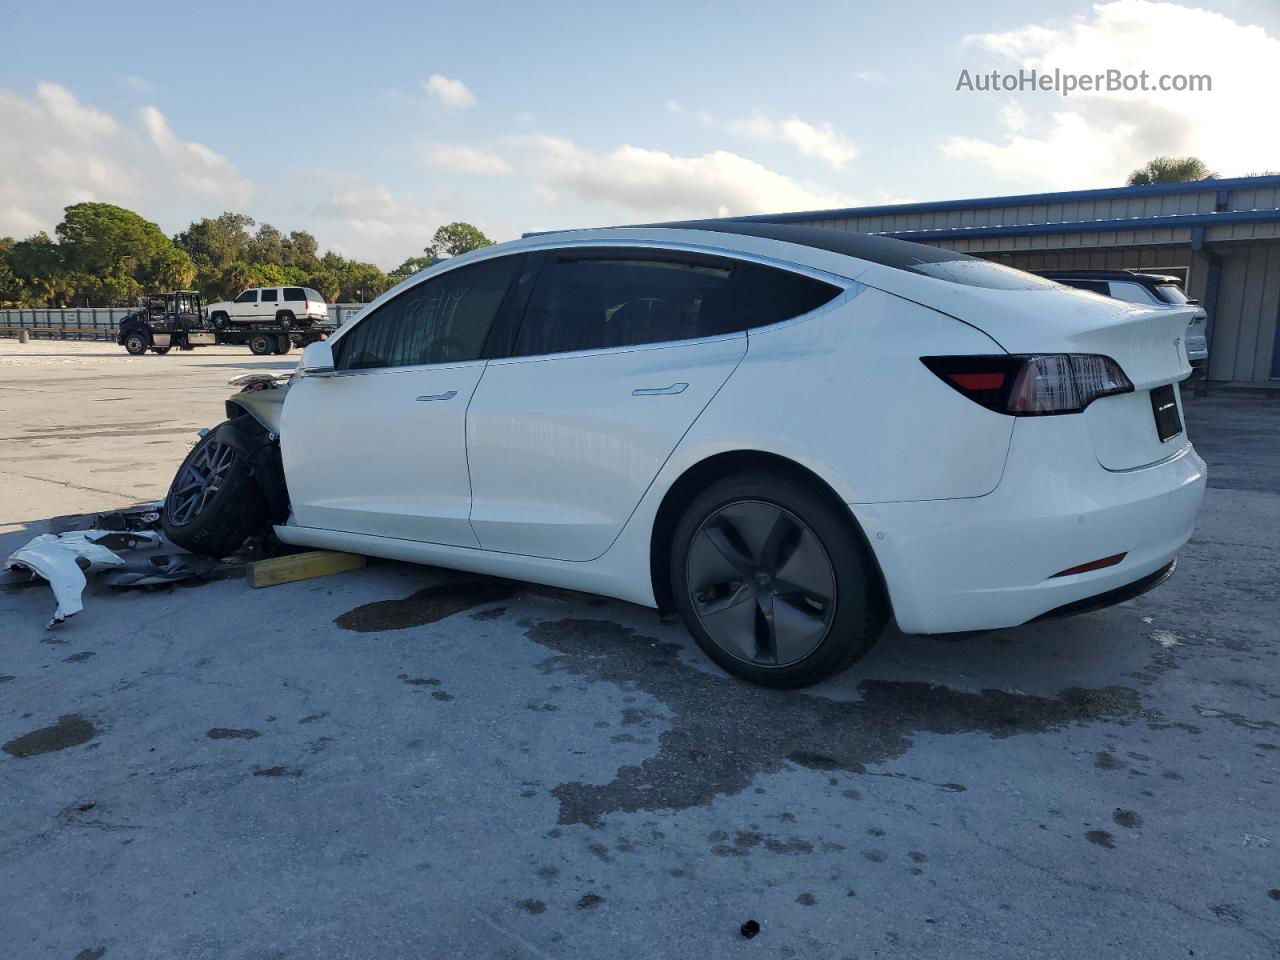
[(102, 239), (1171, 170), (409, 268), (301, 251), (221, 242), (454, 239)]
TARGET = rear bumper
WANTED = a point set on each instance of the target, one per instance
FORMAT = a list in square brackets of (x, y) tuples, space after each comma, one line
[(990, 562)]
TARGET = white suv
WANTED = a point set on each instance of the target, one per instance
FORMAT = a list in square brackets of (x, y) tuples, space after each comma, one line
[(288, 306)]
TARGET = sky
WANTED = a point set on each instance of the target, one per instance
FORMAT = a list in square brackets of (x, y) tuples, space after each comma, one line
[(371, 124)]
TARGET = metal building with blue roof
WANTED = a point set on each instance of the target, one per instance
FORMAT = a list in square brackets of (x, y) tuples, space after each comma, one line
[(1221, 236)]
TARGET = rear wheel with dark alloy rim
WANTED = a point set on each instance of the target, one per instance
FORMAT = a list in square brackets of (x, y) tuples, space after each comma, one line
[(260, 344), (774, 580), (213, 505)]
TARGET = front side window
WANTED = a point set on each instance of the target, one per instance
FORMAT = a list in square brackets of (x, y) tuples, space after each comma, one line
[(294, 293), (442, 320), (268, 296), (249, 296)]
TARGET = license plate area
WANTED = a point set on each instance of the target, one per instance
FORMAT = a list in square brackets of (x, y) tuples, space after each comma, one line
[(1164, 405)]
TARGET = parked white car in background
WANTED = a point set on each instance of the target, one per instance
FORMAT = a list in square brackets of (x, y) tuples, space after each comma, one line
[(287, 306), (1148, 290), (786, 434)]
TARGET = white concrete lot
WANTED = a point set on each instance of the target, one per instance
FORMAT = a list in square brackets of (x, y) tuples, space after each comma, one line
[(400, 763)]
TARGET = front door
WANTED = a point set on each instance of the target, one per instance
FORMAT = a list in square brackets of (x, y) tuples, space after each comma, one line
[(268, 304), (380, 447)]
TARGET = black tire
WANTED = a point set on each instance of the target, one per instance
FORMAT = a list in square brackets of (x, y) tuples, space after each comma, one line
[(798, 635), (283, 343), (260, 344), (137, 343), (217, 524), (219, 319), (160, 350), (285, 319)]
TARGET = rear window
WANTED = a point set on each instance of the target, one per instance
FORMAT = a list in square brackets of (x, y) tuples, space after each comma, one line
[(981, 273), (1171, 293), (294, 293), (313, 295)]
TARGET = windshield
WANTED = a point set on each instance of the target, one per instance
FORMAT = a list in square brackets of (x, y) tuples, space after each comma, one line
[(1170, 293)]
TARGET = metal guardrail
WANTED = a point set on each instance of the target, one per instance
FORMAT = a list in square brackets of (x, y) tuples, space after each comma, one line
[(100, 323)]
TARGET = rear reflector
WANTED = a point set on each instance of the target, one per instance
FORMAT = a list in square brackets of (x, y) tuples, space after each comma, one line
[(1091, 565), (1032, 385)]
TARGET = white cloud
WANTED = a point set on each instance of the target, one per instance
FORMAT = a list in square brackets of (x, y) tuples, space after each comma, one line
[(459, 158), (823, 142), (1096, 138), (366, 220), (57, 151), (654, 182), (454, 94)]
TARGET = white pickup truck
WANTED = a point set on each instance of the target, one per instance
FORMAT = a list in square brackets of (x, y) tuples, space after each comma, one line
[(287, 306)]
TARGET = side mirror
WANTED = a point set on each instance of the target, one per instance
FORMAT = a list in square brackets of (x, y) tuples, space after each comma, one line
[(317, 360)]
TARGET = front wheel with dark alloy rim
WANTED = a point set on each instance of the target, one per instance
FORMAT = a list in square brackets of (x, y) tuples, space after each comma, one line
[(774, 580), (214, 504)]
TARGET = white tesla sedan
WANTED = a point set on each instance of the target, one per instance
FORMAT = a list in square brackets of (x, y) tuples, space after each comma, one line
[(786, 434)]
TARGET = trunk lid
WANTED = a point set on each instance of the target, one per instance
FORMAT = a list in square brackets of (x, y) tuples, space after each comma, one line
[(1149, 344)]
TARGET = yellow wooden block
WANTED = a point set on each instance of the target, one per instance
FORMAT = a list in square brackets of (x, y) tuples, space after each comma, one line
[(302, 566)]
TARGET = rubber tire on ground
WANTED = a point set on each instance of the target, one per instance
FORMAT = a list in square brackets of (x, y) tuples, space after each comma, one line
[(283, 343), (260, 344), (136, 343), (861, 610), (160, 350), (219, 319), (236, 512)]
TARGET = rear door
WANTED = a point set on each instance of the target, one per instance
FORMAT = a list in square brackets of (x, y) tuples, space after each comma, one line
[(618, 352)]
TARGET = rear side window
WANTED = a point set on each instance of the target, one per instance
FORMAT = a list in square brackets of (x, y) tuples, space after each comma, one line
[(249, 296), (1131, 292), (1093, 286), (442, 320), (593, 301), (269, 295), (294, 293), (764, 295), (313, 295)]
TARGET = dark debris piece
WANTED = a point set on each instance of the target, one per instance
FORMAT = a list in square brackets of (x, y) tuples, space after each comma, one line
[(749, 929)]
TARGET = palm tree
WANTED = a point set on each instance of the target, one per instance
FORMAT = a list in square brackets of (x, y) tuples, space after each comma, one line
[(1171, 170)]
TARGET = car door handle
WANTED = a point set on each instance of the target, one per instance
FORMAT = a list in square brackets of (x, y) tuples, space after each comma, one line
[(447, 395), (660, 391)]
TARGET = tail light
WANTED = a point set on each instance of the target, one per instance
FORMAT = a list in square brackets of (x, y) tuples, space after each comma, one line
[(1035, 385)]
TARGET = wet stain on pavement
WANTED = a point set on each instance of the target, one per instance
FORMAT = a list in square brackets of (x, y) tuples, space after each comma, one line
[(1126, 818), (79, 657), (231, 733), (71, 730), (277, 772), (531, 906), (96, 953), (1101, 838), (6, 677), (589, 901), (418, 681), (425, 606), (756, 730)]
